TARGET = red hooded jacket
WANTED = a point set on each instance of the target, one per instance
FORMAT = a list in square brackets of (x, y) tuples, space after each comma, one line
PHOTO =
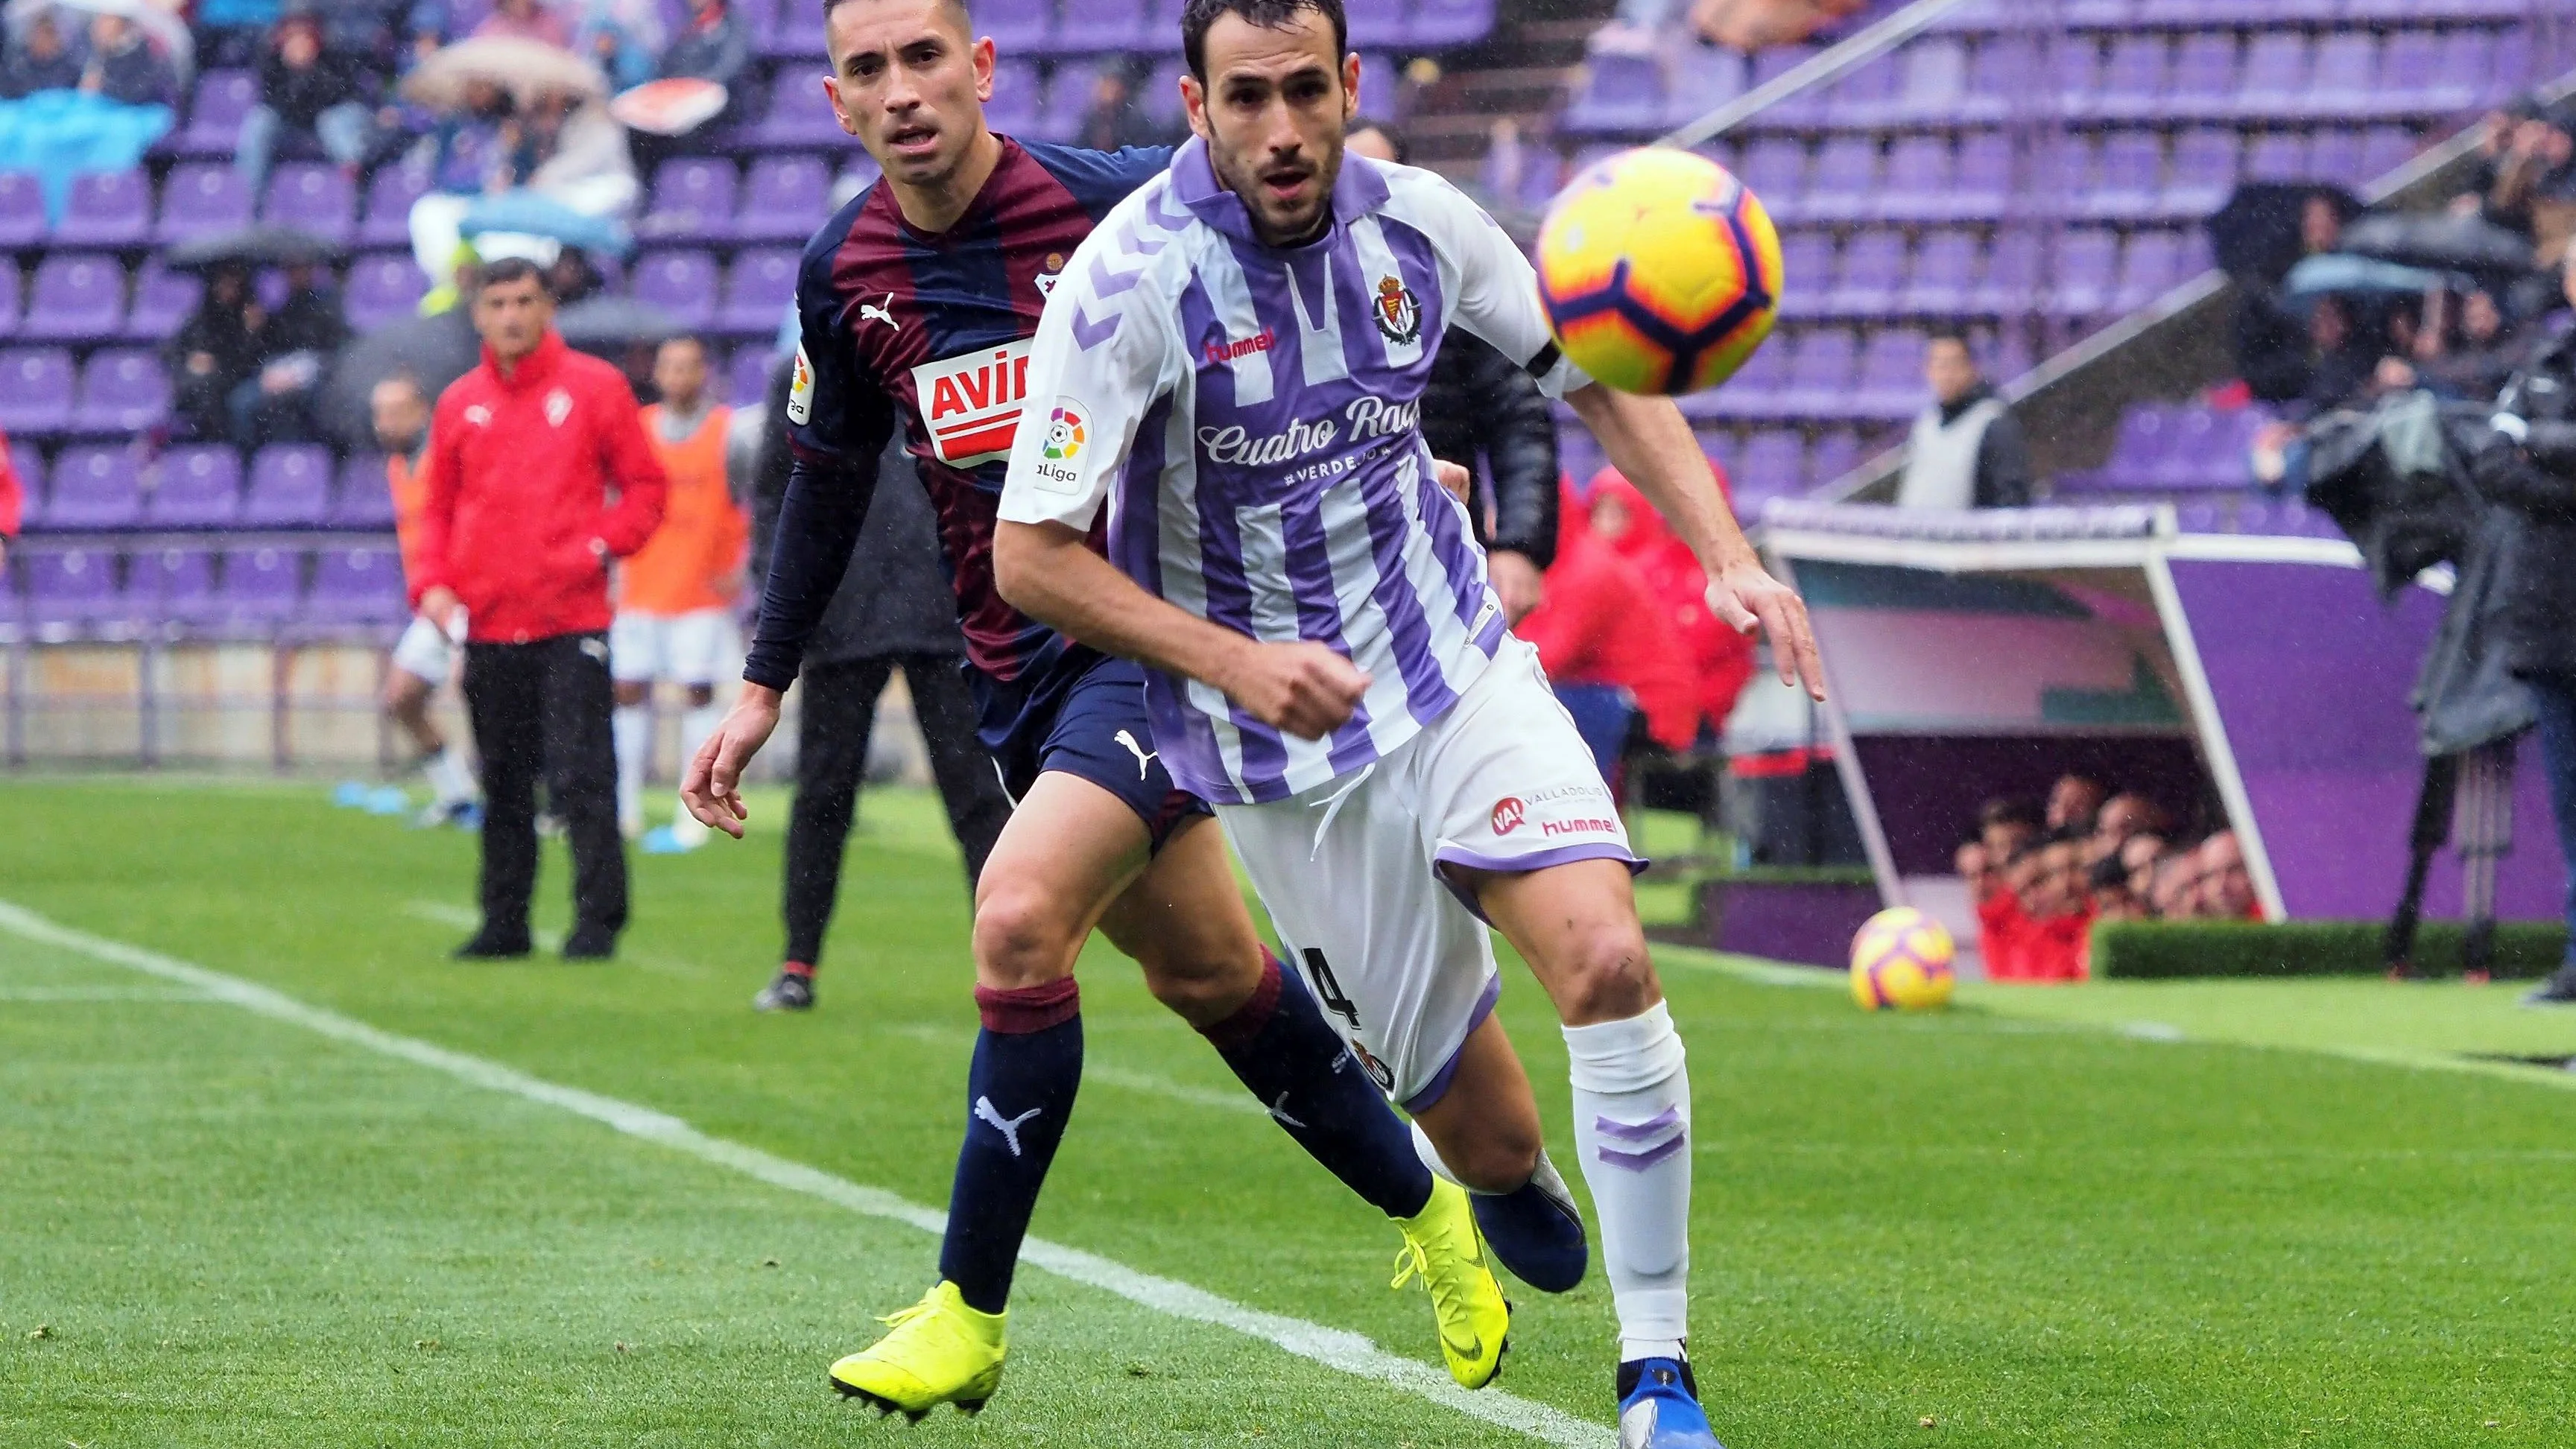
[(1722, 658), (1599, 623), (12, 495), (517, 515)]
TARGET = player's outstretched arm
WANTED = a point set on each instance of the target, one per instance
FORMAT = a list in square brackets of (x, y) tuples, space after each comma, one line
[(1048, 572), (1650, 442)]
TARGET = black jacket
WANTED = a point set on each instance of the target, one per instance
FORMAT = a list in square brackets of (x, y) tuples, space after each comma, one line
[(299, 96), (2538, 480), (2004, 473), (1480, 404), (896, 598)]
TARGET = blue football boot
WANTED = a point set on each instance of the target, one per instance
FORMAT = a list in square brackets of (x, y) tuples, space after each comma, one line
[(1659, 1407)]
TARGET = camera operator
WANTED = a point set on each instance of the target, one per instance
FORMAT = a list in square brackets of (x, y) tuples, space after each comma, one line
[(2532, 469)]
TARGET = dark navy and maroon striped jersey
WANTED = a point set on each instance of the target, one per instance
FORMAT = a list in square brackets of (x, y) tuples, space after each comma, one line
[(933, 332)]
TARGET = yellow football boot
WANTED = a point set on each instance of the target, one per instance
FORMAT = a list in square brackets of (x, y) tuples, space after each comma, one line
[(939, 1352), (1442, 1248)]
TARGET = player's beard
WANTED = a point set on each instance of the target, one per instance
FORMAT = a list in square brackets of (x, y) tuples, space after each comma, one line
[(1275, 227)]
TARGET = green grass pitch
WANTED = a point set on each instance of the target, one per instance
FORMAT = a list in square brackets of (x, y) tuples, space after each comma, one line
[(2167, 1215)]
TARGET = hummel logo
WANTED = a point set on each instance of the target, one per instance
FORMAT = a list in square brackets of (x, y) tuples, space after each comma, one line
[(1143, 758), (991, 1116), (875, 312)]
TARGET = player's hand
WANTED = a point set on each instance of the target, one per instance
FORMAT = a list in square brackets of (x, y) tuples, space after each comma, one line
[(712, 785), (1516, 582), (439, 606), (1747, 598), (1456, 479), (1307, 690)]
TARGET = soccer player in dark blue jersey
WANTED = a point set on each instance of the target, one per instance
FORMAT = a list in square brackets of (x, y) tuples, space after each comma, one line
[(916, 305)]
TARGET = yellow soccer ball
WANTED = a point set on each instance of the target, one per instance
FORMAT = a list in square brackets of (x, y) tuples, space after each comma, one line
[(1901, 958), (1660, 271)]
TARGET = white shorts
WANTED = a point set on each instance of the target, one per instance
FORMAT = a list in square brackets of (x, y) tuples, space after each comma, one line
[(699, 647), (425, 652), (1351, 871)]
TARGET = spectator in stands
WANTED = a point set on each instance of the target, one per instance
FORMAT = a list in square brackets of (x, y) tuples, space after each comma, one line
[(2006, 830), (572, 278), (1967, 450), (1479, 407), (304, 90), (425, 658), (622, 37), (2470, 357), (526, 20), (2528, 156), (1721, 659), (2074, 803), (13, 497), (2342, 360), (214, 352), (712, 47), (527, 453), (580, 155), (124, 66), (1599, 625), (2056, 897), (294, 347), (424, 30), (38, 60), (1114, 120), (2533, 470)]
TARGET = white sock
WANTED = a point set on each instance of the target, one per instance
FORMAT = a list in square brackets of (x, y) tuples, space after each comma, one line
[(1632, 1126), (695, 726), (633, 726), (449, 778)]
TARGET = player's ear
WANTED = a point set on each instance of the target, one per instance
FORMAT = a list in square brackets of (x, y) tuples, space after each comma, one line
[(1350, 85), (1194, 105), (840, 112), (981, 56)]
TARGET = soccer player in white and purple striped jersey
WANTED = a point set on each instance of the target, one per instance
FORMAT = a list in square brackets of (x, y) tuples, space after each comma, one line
[(1231, 370)]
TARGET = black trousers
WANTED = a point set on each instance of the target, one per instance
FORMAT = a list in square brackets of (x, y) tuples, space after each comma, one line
[(542, 710), (839, 713)]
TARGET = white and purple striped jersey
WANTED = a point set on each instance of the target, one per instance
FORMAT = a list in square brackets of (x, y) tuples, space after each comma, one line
[(1250, 414)]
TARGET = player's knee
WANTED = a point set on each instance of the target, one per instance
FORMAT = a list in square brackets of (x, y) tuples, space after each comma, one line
[(1022, 938), (1202, 988), (1606, 974), (1500, 1159)]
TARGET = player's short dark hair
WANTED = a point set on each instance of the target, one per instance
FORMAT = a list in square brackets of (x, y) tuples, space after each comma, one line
[(1950, 334), (504, 270), (1198, 15), (965, 16), (1393, 133), (2017, 810)]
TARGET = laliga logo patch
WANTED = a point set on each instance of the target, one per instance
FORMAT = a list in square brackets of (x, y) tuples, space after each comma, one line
[(558, 407), (1509, 812), (800, 390), (1399, 314), (1065, 434), (1068, 429)]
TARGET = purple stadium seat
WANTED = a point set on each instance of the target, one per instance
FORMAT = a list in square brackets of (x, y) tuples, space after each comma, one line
[(162, 300), (2276, 156), (2132, 82), (2012, 282), (173, 585), (1776, 168), (2192, 437), (1979, 184), (106, 209), (2076, 63), (2204, 171), (757, 292), (75, 589), (1622, 94), (1874, 269), (261, 588), (2346, 79), (1844, 184), (2334, 154), (2203, 82), (682, 283), (1945, 272), (1019, 97), (1998, 78), (200, 199), (199, 487), (2384, 149), (1931, 83), (1866, 95), (1068, 97), (1820, 368), (95, 487), (1891, 375), (1018, 27), (1807, 271), (1916, 180), (692, 198), (29, 461), (784, 198), (214, 118), (1439, 24), (35, 390), (791, 32), (1380, 22), (1773, 464), (357, 586), (1754, 391), (747, 376), (75, 296), (22, 210), (2275, 79), (798, 117), (390, 193), (1111, 25), (2130, 183), (1836, 452), (2150, 267), (2088, 261), (364, 499), (383, 288), (1161, 96), (1704, 77), (9, 299), (2424, 70), (290, 486), (312, 197), (123, 391)]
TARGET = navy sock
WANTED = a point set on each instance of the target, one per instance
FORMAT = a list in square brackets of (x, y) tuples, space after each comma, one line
[(1299, 1068), (1019, 1096)]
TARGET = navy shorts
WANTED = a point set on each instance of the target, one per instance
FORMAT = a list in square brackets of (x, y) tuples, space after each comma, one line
[(1098, 731)]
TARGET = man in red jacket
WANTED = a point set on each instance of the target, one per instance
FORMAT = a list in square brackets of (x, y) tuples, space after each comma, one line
[(538, 475), (11, 496)]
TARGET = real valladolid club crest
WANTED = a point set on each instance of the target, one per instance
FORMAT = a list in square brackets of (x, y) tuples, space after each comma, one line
[(1399, 316)]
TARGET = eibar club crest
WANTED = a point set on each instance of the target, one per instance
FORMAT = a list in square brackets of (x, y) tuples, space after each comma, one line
[(558, 407), (1399, 315)]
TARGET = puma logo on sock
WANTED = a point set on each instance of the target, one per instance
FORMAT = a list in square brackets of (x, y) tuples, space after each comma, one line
[(1009, 1127)]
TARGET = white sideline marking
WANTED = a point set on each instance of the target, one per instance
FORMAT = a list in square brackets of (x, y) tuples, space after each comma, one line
[(1351, 1353), (98, 993)]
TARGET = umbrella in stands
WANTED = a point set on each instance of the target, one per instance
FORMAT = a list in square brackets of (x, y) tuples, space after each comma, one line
[(436, 350), (526, 69), (160, 24), (2452, 243), (252, 246), (2256, 234), (2345, 275), (607, 324), (672, 107)]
